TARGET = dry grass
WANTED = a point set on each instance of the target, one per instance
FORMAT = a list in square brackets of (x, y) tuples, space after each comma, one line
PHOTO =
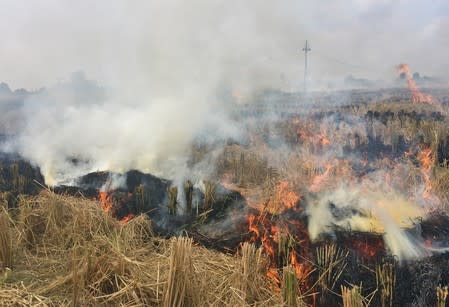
[(331, 262), (289, 287), (172, 200), (442, 293), (250, 273), (68, 252), (386, 280), (209, 194), (6, 255), (179, 289), (441, 185), (352, 297), (20, 296)]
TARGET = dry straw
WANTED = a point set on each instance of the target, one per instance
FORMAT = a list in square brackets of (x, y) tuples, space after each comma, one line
[(352, 297), (209, 194), (442, 293), (178, 291), (386, 280), (70, 253), (331, 262), (172, 200), (289, 287), (6, 258), (250, 267)]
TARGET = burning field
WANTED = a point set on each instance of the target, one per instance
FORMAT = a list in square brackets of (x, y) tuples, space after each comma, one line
[(224, 153), (332, 206)]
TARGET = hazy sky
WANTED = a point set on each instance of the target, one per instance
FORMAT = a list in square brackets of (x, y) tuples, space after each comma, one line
[(166, 43), (166, 64)]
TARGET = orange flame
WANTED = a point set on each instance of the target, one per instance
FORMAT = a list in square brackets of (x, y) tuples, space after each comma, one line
[(319, 180), (114, 205), (288, 198), (126, 218), (417, 95), (252, 227), (106, 202), (426, 158), (300, 269), (265, 231), (273, 274), (367, 250), (268, 245)]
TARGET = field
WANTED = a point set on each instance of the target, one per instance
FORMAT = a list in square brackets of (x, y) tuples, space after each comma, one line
[(333, 206)]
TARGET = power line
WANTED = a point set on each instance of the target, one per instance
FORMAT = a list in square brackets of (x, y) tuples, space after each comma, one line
[(306, 49)]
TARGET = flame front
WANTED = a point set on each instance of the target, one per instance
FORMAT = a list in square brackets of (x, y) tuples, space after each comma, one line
[(282, 239), (113, 206), (105, 201), (417, 95)]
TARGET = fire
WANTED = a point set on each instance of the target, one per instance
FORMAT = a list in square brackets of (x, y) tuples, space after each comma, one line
[(417, 95), (285, 196), (273, 274), (319, 180), (278, 234), (267, 243), (106, 202), (367, 250), (426, 159), (127, 218), (301, 270), (114, 203), (252, 227)]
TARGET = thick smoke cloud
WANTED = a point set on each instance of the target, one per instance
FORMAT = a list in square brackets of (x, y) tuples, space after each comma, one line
[(76, 127), (165, 67), (129, 41)]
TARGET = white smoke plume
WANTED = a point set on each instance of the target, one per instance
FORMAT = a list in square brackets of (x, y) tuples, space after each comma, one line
[(359, 209), (166, 68), (167, 71), (115, 181)]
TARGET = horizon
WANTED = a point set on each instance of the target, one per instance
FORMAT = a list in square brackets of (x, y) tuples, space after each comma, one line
[(161, 43)]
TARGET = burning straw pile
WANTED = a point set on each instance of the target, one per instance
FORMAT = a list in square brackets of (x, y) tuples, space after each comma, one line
[(65, 251)]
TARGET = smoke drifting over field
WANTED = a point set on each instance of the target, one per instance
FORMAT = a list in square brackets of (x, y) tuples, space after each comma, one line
[(171, 72), (237, 42), (68, 135), (166, 67)]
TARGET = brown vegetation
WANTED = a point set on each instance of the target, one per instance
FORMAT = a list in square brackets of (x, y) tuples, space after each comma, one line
[(68, 252)]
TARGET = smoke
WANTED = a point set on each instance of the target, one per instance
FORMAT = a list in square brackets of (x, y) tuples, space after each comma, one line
[(115, 181), (167, 69), (249, 42), (172, 72), (357, 209), (68, 136)]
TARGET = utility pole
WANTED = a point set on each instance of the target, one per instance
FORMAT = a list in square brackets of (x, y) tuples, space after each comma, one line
[(306, 49)]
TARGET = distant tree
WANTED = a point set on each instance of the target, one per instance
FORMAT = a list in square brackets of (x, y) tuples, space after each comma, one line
[(4, 88)]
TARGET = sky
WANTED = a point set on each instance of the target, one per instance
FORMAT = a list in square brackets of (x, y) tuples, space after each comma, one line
[(164, 67), (161, 45)]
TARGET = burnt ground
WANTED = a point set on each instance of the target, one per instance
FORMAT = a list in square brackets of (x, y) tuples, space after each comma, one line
[(225, 227)]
